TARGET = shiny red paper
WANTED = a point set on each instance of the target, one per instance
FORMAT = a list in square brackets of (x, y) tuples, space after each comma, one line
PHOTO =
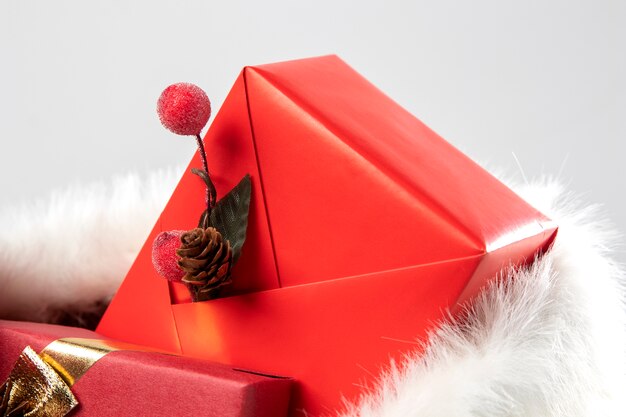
[(131, 383), (365, 228)]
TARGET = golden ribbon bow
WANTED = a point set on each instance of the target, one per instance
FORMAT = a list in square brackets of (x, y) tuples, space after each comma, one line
[(39, 385)]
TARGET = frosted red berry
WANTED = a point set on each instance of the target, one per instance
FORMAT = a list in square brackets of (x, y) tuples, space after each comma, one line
[(164, 256), (184, 108)]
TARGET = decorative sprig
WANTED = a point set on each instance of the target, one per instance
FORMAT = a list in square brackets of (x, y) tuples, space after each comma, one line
[(205, 266)]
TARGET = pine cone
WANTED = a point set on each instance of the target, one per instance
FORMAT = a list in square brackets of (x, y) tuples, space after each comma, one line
[(206, 257)]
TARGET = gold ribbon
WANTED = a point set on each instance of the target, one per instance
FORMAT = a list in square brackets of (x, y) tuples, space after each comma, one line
[(39, 385)]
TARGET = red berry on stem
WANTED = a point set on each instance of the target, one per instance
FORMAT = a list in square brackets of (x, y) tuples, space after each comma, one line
[(164, 256), (184, 108)]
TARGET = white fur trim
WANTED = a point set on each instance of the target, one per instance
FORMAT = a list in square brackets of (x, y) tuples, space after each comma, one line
[(548, 341), (75, 247)]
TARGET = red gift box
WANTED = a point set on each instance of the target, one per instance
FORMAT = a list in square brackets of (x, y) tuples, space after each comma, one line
[(365, 228), (140, 383)]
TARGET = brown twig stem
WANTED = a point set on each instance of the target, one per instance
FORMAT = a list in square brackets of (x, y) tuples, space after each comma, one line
[(211, 194)]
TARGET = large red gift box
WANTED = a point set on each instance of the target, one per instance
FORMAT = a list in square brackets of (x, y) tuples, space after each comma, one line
[(140, 383), (365, 229)]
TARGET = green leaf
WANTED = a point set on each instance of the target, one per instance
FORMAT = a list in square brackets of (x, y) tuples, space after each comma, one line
[(230, 215)]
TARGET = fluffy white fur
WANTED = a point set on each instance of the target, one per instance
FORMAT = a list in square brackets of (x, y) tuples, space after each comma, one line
[(74, 248), (549, 341)]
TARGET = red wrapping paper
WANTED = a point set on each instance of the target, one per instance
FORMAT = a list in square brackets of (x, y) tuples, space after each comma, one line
[(152, 384), (365, 229)]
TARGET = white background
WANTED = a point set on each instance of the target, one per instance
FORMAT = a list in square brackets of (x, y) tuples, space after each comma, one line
[(544, 80)]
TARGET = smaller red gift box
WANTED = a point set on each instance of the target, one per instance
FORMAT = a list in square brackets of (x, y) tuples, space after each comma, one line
[(126, 382)]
